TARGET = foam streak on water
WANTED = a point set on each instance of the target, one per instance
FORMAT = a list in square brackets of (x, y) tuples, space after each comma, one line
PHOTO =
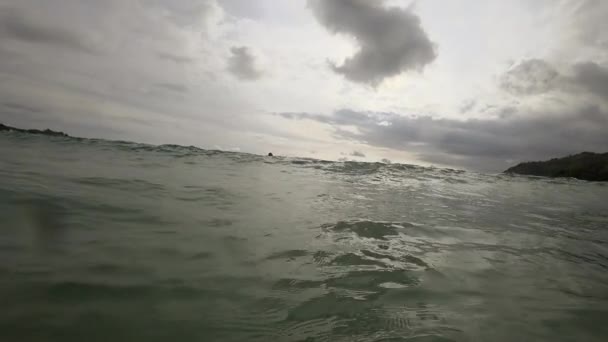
[(114, 241)]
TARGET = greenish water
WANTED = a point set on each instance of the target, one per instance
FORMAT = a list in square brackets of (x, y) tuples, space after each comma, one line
[(115, 241)]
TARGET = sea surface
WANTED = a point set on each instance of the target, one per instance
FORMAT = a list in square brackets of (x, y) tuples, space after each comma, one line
[(117, 241)]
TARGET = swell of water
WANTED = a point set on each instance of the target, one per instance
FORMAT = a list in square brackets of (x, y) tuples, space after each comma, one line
[(119, 241)]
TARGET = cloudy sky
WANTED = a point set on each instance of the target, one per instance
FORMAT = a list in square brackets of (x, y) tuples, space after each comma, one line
[(478, 84)]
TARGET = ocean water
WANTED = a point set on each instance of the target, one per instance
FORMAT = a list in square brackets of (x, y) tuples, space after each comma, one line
[(116, 241)]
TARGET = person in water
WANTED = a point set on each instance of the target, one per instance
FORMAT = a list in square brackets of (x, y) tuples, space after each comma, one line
[(270, 154)]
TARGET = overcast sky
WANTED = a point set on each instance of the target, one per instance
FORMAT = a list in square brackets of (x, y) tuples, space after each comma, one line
[(471, 84)]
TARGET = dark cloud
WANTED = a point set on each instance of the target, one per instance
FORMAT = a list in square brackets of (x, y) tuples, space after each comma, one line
[(17, 25), (391, 40), (243, 9), (536, 76), (529, 77), (242, 64), (507, 112), (593, 78), (482, 144), (358, 154), (185, 13), (174, 87), (174, 58), (17, 107), (467, 106)]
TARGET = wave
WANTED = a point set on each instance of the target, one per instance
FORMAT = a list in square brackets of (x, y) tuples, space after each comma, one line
[(354, 168)]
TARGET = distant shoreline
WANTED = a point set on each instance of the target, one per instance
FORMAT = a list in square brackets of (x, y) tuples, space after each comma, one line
[(586, 166), (47, 131)]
